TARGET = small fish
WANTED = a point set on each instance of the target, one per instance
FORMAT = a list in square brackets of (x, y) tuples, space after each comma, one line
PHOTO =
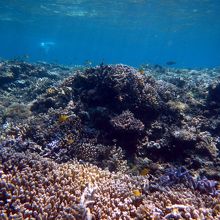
[(170, 63), (51, 90), (136, 192), (63, 118), (69, 139), (141, 71), (144, 172)]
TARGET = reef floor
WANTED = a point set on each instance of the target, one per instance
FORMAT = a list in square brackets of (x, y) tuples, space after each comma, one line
[(109, 142)]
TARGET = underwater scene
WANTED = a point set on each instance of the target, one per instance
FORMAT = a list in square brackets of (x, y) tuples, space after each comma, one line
[(110, 110)]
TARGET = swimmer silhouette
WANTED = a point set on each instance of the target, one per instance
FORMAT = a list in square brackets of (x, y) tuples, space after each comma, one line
[(46, 46)]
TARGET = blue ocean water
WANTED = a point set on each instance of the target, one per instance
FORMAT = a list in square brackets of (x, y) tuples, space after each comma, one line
[(133, 32)]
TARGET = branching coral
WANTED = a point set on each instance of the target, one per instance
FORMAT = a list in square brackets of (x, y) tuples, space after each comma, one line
[(127, 123), (179, 175), (34, 187), (115, 118)]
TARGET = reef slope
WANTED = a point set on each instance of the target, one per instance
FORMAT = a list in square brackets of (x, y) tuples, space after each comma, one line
[(109, 142)]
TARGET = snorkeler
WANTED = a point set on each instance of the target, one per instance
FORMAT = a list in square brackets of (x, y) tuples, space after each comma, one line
[(46, 46)]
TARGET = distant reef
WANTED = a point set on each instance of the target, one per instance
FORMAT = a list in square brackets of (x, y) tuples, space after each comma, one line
[(109, 142)]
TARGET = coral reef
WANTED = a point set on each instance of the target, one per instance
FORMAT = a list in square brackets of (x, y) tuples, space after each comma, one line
[(127, 123), (22, 82), (108, 95), (108, 142), (117, 105), (181, 175), (34, 187), (214, 91)]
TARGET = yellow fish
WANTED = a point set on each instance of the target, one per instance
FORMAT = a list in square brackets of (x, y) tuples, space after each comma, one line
[(141, 71), (136, 192), (63, 118), (144, 172)]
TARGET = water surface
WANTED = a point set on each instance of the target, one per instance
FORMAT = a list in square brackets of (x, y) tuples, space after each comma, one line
[(124, 31)]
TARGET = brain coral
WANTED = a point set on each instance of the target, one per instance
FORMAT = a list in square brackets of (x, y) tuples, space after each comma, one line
[(33, 187)]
